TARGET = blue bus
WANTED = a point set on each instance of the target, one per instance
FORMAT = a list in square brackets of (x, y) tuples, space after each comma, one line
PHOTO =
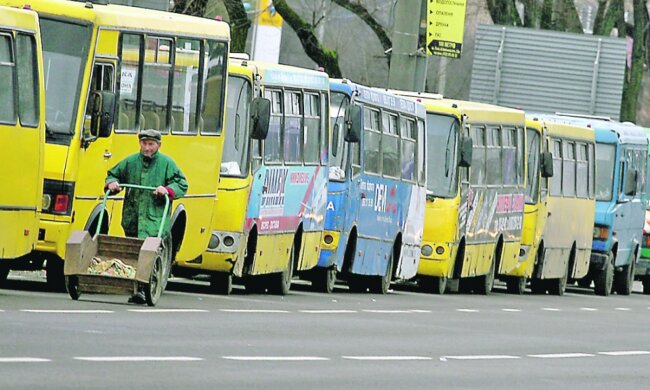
[(621, 199), (376, 191)]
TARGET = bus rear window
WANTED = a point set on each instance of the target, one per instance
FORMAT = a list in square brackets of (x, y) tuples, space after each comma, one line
[(605, 161)]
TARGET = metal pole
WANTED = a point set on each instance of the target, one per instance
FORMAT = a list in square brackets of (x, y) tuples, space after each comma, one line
[(405, 44)]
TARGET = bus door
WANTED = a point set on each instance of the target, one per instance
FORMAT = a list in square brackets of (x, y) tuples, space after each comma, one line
[(630, 208), (21, 143)]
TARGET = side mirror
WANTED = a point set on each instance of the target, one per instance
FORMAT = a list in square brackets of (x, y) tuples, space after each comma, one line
[(103, 113), (354, 122), (260, 118), (546, 161), (631, 181), (466, 152)]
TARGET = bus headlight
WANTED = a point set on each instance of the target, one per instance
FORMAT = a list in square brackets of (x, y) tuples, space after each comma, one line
[(47, 201), (601, 233), (328, 239), (440, 250), (214, 242), (228, 241), (426, 250)]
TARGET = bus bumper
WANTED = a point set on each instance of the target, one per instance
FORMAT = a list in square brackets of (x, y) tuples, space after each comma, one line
[(435, 259), (328, 247), (598, 261), (52, 237)]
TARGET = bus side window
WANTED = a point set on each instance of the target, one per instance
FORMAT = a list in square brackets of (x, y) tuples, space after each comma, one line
[(102, 80), (422, 157), (312, 129), (273, 140), (185, 86), (390, 145), (556, 180), (293, 138), (582, 171), (477, 170), (27, 72), (493, 156), (371, 141), (408, 148), (592, 175), (8, 91), (212, 99), (128, 118), (155, 83), (509, 157), (324, 129), (569, 169)]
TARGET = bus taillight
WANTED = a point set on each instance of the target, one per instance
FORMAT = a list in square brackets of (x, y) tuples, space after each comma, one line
[(61, 203)]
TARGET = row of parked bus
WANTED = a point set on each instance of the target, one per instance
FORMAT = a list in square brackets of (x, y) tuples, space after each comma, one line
[(295, 174)]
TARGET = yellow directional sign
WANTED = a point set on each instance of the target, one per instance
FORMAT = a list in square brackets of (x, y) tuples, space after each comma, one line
[(445, 27)]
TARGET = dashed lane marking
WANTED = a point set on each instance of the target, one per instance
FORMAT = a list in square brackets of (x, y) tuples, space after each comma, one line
[(387, 358), (588, 309), (467, 310), (624, 353), (562, 355), (328, 311), (511, 310), (623, 309), (138, 358), (390, 311), (550, 309), (276, 358), (168, 310), (253, 311), (67, 311), (478, 357), (23, 360)]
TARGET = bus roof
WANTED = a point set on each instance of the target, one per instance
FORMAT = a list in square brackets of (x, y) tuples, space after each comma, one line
[(378, 97), (20, 19), (239, 68), (290, 76), (128, 18), (573, 131), (607, 131)]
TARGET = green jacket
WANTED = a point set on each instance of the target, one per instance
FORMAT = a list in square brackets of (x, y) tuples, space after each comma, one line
[(142, 211)]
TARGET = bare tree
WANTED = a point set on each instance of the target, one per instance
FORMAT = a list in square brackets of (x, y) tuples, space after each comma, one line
[(239, 24), (634, 73)]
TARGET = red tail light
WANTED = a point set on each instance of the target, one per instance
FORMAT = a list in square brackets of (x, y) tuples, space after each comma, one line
[(647, 240), (61, 203)]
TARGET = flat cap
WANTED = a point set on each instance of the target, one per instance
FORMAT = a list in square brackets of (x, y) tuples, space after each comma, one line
[(150, 134)]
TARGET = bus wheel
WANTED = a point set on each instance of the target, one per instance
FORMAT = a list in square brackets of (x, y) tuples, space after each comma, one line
[(646, 285), (54, 273), (72, 285), (558, 286), (381, 284), (484, 283), (623, 280), (516, 285), (604, 279), (221, 283), (281, 282), (434, 284), (538, 286), (323, 279)]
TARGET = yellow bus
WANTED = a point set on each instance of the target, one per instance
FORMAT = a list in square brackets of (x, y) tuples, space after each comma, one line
[(22, 133), (128, 70), (559, 211), (271, 210), (475, 193)]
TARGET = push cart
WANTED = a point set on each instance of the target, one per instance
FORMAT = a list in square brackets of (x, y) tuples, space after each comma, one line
[(104, 264)]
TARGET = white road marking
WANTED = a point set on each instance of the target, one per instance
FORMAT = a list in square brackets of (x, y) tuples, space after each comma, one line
[(67, 311), (23, 360), (512, 310), (276, 358), (1, 311), (138, 358), (253, 311), (588, 309), (327, 311), (562, 355), (550, 309), (168, 310), (467, 310), (420, 311), (624, 353), (384, 358), (479, 357), (388, 311), (623, 309)]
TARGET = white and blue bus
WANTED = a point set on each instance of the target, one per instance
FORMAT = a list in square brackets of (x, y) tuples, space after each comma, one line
[(376, 190)]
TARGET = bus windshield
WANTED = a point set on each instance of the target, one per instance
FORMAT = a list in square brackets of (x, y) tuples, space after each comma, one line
[(533, 166), (442, 137), (235, 147), (338, 106), (64, 67), (605, 160)]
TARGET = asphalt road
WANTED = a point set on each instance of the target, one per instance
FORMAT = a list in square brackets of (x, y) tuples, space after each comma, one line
[(306, 340)]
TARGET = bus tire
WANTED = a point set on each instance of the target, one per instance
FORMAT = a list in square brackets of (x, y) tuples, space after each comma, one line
[(54, 273), (434, 284), (516, 285), (221, 283), (381, 284), (484, 283), (281, 282), (323, 279), (538, 286), (558, 286), (604, 279), (646, 285), (624, 279)]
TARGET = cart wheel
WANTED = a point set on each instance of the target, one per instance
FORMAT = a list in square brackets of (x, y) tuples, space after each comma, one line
[(153, 290), (72, 285)]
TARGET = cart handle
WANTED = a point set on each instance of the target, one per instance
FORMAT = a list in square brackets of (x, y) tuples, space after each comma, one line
[(137, 187)]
